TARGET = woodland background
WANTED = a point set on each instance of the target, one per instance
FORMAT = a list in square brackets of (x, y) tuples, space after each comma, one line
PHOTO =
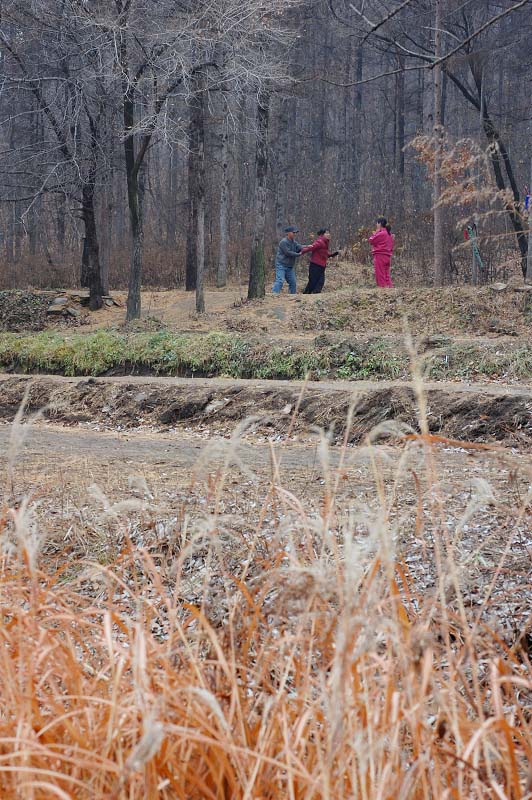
[(141, 141)]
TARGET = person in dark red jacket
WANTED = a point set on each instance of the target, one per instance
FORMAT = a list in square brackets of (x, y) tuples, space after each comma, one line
[(382, 244), (318, 261)]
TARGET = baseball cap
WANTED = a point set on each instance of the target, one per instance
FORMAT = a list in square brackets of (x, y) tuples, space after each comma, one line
[(291, 229)]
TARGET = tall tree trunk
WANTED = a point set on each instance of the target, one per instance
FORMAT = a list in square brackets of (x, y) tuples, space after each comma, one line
[(281, 156), (444, 93), (18, 234), (221, 273), (256, 286), (439, 267), (200, 254), (85, 267), (137, 240), (32, 231), (344, 151), (199, 202), (171, 228), (528, 273), (94, 275), (106, 229), (121, 218), (400, 131), (194, 140), (195, 261), (498, 151), (419, 183), (135, 206), (10, 237), (356, 150), (61, 225)]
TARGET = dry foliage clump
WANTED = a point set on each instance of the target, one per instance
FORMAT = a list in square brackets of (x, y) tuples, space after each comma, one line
[(308, 664), (453, 311), (23, 311)]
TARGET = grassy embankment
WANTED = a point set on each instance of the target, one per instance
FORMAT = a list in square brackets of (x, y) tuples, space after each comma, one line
[(230, 355)]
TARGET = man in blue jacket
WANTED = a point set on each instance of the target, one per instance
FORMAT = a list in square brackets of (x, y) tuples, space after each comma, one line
[(285, 261)]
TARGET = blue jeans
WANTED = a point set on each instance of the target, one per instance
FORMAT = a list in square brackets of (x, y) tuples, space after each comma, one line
[(283, 274)]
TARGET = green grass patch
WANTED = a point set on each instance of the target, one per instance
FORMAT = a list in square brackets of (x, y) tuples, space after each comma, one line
[(468, 362), (106, 351), (375, 359), (228, 355)]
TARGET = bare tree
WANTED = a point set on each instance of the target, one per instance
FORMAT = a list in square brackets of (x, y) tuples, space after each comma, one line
[(256, 268), (221, 272), (439, 264), (71, 109), (197, 190)]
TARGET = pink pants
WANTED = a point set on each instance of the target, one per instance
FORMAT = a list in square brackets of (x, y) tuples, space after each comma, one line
[(382, 270)]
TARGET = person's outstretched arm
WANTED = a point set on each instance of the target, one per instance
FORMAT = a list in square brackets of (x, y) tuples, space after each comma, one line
[(288, 250), (310, 248)]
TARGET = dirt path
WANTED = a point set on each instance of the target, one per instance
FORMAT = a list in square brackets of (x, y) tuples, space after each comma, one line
[(326, 387), (55, 443), (477, 413), (86, 487)]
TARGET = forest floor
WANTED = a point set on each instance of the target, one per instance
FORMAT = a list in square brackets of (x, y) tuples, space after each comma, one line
[(465, 311), (348, 304), (207, 489)]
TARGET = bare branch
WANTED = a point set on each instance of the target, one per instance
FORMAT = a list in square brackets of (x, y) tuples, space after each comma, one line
[(480, 30)]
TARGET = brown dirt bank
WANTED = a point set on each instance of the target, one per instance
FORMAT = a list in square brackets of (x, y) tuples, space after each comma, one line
[(470, 413), (346, 305)]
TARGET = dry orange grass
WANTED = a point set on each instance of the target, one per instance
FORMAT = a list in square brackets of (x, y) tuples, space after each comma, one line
[(309, 669), (328, 678)]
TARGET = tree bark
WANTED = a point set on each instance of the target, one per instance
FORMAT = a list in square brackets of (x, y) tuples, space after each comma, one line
[(137, 239), (194, 140), (171, 227), (84, 274), (400, 131), (134, 199), (10, 238), (256, 286), (134, 191), (19, 231), (93, 274), (195, 261), (61, 215), (529, 249), (281, 156), (439, 267), (106, 236), (221, 274), (199, 202), (356, 151), (200, 252)]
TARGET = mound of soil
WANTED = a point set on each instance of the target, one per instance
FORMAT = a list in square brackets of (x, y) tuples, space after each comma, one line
[(23, 311), (483, 311), (388, 412)]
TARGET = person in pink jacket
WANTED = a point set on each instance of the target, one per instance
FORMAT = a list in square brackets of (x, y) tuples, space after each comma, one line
[(382, 244), (320, 254)]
